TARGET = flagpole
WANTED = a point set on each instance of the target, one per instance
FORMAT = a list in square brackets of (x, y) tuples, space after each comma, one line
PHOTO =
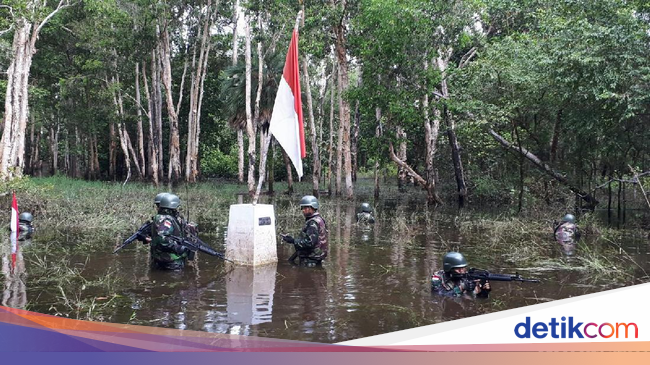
[(267, 141)]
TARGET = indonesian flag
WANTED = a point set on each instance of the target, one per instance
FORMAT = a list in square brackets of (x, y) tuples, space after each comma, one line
[(14, 231), (286, 121), (14, 214)]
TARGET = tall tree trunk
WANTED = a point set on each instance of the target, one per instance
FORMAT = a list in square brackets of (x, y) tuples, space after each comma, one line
[(402, 174), (143, 170), (156, 80), (240, 155), (354, 138), (258, 98), (152, 139), (344, 106), (287, 164), (16, 102), (588, 198), (66, 154), (12, 143), (331, 130), (240, 133), (32, 146), (54, 148), (431, 131), (112, 151), (312, 126), (442, 61), (378, 133), (199, 70), (250, 129), (556, 136), (76, 160), (174, 172)]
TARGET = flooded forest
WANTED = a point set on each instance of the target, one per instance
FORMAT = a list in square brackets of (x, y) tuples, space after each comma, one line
[(466, 126)]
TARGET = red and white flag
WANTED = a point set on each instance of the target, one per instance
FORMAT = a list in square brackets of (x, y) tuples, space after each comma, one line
[(14, 214), (286, 121)]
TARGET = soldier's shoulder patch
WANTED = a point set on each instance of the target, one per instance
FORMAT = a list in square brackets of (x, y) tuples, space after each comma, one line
[(167, 224), (436, 280)]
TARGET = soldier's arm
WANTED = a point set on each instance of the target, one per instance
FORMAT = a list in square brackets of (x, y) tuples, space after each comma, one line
[(308, 239)]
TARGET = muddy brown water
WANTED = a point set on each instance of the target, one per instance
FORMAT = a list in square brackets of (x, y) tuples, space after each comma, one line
[(376, 280)]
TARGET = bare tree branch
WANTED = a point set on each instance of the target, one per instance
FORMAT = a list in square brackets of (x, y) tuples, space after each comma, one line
[(467, 57), (6, 30), (62, 5)]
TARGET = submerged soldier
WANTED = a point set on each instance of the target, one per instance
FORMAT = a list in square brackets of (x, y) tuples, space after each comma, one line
[(165, 253), (25, 228), (365, 217), (567, 232), (450, 280), (311, 243)]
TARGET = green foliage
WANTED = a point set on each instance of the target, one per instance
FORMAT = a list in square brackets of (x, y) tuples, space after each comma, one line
[(216, 163)]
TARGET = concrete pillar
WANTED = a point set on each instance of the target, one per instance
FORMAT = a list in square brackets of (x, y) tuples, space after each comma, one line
[(251, 237)]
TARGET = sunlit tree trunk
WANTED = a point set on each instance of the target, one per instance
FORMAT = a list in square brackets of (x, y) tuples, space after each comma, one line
[(152, 139), (54, 148), (26, 32), (174, 172), (199, 70), (442, 62), (344, 106), (240, 133), (331, 141), (138, 106)]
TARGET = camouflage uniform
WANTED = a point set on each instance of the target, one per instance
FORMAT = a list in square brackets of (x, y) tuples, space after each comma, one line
[(567, 232), (443, 284), (311, 244), (25, 231), (165, 253), (365, 218)]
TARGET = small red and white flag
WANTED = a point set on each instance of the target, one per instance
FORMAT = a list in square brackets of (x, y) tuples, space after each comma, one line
[(14, 214), (14, 231), (286, 121)]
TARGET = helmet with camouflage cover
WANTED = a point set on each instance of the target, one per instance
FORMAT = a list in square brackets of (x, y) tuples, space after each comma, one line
[(452, 260), (309, 201), (158, 197), (170, 201), (365, 207), (25, 217), (569, 218)]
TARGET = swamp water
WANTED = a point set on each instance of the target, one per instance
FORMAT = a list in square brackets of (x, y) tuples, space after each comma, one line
[(376, 279)]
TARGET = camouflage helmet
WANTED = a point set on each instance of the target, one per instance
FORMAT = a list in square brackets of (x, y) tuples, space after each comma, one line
[(569, 218), (170, 201), (158, 197), (365, 207), (309, 201), (25, 217), (452, 260)]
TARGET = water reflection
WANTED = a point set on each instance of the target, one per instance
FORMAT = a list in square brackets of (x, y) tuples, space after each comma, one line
[(249, 292), (14, 293)]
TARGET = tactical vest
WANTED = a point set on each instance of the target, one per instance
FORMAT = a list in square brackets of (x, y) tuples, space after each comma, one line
[(160, 255), (320, 251), (566, 232)]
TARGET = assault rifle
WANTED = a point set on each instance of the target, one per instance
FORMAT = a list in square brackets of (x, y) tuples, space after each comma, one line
[(142, 232), (484, 275), (195, 244)]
